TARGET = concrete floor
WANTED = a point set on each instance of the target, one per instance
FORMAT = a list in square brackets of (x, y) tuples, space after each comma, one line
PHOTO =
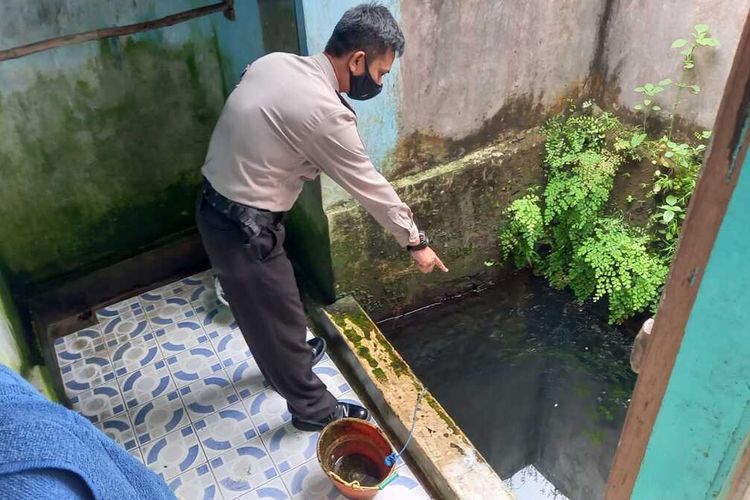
[(169, 377)]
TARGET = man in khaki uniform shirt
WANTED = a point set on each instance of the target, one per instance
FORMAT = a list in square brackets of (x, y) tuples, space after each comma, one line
[(284, 124)]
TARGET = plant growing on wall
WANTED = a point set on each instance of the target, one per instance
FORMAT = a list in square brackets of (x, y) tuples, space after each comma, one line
[(567, 233)]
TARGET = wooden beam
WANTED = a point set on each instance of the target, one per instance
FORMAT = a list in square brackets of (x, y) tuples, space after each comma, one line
[(24, 50), (707, 208)]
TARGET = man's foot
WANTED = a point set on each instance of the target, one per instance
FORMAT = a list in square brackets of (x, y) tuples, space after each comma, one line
[(318, 347), (342, 410)]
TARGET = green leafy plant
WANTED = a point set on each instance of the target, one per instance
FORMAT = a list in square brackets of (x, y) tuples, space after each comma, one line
[(523, 232), (568, 137), (650, 91), (615, 262)]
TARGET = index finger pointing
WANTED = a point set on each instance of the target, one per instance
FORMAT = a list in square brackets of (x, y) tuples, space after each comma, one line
[(440, 265)]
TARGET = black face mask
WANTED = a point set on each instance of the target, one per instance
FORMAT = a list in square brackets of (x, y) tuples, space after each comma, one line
[(363, 87)]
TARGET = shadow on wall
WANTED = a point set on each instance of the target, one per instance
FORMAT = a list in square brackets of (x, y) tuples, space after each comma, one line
[(101, 162)]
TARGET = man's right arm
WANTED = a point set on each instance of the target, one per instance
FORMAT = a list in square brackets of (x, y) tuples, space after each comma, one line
[(336, 148)]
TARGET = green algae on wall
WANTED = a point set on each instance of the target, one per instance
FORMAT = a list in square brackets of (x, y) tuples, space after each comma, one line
[(103, 161), (13, 351)]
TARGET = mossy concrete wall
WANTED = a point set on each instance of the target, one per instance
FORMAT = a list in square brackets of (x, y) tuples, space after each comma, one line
[(101, 143), (460, 202)]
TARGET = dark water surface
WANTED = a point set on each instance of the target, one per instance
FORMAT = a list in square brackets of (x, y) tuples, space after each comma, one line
[(531, 377)]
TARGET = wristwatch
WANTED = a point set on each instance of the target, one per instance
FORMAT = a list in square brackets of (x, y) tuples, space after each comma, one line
[(424, 242)]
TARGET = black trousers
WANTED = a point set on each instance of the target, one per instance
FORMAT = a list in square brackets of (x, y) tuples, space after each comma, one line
[(259, 283)]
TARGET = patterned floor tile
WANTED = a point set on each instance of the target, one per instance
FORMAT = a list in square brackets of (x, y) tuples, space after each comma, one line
[(174, 339), (196, 484), (133, 354), (100, 403), (136, 453), (169, 312), (205, 296), (158, 417), (175, 453), (123, 328), (268, 410), (224, 430), (404, 486), (243, 469), (216, 319), (82, 344), (289, 447), (230, 346), (309, 481), (146, 384), (208, 396), (331, 377), (194, 364), (87, 373), (120, 430), (247, 379), (126, 308), (272, 490)]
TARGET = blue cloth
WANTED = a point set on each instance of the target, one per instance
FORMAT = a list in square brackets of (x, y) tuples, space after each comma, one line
[(48, 451)]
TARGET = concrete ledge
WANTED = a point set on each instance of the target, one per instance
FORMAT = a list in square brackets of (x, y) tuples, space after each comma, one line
[(450, 464)]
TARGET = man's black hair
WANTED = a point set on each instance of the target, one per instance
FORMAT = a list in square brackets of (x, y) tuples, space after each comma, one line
[(369, 27)]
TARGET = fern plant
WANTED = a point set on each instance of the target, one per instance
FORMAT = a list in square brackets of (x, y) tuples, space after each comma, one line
[(615, 262), (523, 231)]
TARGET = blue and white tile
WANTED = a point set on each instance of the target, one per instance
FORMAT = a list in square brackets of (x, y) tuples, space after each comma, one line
[(133, 354), (196, 484), (272, 490), (100, 403), (175, 453), (136, 453), (230, 346), (332, 377), (247, 378), (290, 447), (120, 430), (126, 309), (158, 417), (174, 339), (309, 481), (268, 410), (224, 430), (169, 312), (216, 319), (208, 396), (243, 469), (123, 328), (205, 296), (194, 364), (87, 373), (82, 344), (146, 384), (404, 486)]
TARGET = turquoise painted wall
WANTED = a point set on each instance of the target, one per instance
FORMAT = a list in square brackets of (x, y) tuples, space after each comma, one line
[(377, 118), (101, 143), (705, 416)]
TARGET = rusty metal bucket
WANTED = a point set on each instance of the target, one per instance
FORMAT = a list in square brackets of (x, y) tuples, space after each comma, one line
[(352, 453)]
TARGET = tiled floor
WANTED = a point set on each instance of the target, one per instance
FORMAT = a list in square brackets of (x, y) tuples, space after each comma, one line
[(168, 375)]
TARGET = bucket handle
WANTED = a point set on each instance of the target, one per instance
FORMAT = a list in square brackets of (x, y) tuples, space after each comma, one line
[(388, 480)]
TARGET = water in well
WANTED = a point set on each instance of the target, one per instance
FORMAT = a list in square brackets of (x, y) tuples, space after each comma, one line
[(539, 383)]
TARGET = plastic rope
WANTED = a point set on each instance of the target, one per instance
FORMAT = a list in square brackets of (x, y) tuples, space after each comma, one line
[(391, 459)]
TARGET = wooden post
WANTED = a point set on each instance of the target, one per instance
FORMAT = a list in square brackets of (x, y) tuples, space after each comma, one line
[(707, 208), (227, 6)]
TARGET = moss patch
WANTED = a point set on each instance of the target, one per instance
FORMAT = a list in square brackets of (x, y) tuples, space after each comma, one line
[(102, 161)]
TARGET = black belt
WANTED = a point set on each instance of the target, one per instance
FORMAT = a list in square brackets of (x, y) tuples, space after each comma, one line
[(251, 219)]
